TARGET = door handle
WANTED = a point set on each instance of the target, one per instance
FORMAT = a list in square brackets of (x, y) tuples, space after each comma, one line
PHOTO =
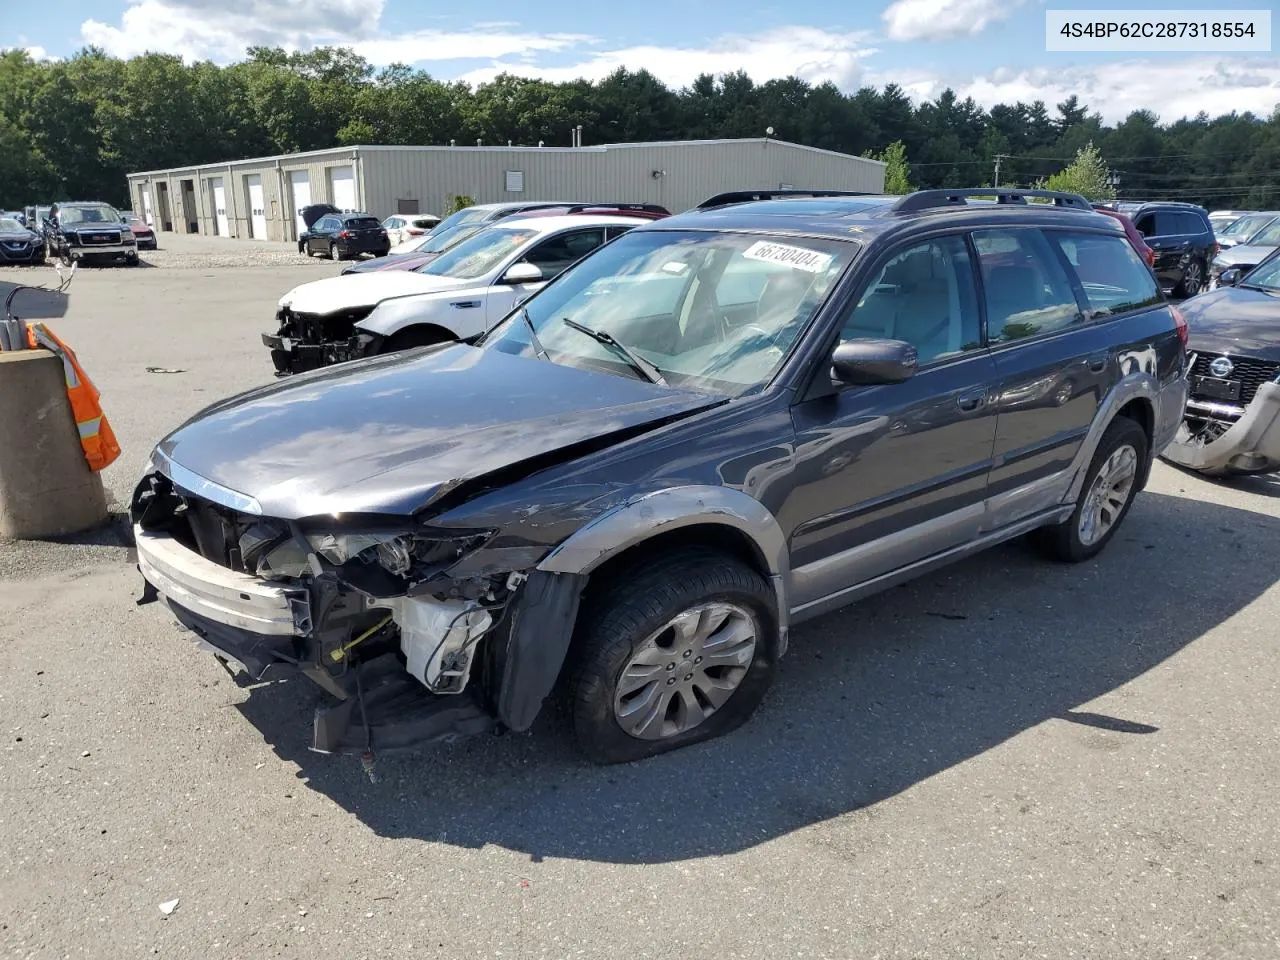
[(1098, 362), (969, 402)]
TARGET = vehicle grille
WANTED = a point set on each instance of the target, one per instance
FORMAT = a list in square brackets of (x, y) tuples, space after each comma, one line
[(1251, 373), (90, 239), (310, 328)]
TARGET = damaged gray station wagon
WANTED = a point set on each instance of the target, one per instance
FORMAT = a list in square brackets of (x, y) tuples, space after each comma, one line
[(628, 492)]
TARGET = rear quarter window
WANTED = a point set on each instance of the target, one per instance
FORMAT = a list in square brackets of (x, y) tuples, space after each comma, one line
[(1113, 277)]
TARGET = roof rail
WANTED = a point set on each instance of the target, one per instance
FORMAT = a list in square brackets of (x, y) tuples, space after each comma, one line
[(931, 199), (747, 196), (639, 207)]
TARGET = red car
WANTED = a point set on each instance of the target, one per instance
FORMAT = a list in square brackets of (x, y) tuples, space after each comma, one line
[(412, 261), (141, 230), (1146, 253)]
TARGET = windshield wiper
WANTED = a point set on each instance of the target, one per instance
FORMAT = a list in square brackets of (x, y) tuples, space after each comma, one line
[(533, 334), (637, 362)]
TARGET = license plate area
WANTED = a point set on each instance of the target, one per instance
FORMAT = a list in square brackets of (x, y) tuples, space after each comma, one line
[(1216, 389)]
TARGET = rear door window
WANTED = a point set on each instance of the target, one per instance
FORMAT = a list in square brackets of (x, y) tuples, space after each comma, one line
[(1168, 224), (1113, 278), (1025, 285)]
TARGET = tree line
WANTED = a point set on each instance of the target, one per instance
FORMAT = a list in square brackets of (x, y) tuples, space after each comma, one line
[(73, 128)]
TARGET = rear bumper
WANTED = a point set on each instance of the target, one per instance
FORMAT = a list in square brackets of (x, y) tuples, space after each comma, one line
[(292, 356), (1250, 444)]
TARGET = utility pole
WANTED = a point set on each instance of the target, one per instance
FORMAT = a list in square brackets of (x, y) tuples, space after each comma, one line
[(999, 157)]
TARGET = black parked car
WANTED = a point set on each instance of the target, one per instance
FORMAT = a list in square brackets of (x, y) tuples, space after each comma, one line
[(88, 231), (1233, 416), (19, 244), (1183, 239), (340, 236), (715, 426)]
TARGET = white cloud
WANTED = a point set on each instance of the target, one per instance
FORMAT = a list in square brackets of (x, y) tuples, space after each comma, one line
[(220, 30), (38, 53), (944, 19), (808, 52), (1173, 89)]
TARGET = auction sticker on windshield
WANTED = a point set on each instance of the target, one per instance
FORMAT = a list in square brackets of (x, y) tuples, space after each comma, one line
[(810, 261)]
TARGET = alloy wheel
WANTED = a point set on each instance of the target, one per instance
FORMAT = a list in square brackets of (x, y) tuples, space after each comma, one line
[(1191, 279), (1110, 491), (685, 671)]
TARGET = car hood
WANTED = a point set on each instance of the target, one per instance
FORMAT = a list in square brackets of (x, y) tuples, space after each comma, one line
[(13, 235), (1242, 253), (394, 433), (392, 261), (347, 291), (1235, 321)]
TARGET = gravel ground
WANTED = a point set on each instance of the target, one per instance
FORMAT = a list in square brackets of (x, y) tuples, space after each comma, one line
[(1009, 759)]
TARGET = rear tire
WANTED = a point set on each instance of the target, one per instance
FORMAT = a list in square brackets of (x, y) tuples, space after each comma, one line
[(1110, 485), (643, 677), (334, 252), (1192, 281)]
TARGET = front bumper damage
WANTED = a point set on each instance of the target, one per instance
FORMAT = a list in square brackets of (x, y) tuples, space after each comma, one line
[(295, 356), (1224, 437), (448, 657), (305, 341)]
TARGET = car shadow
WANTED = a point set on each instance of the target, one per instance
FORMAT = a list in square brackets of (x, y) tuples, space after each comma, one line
[(869, 701)]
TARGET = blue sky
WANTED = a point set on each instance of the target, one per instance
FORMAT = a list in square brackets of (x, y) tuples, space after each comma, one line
[(992, 50)]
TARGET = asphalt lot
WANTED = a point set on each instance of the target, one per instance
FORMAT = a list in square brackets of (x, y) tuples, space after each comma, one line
[(1009, 759)]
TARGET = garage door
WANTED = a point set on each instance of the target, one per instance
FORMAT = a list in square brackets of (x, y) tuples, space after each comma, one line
[(300, 191), (219, 192), (257, 207), (343, 183), (146, 206)]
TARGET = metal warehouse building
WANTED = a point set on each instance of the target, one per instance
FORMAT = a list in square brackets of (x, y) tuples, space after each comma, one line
[(261, 198)]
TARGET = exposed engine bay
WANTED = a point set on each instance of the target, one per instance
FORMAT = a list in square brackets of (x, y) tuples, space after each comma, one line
[(390, 621)]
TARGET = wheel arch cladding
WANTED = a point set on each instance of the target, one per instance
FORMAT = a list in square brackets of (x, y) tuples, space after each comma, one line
[(683, 510), (1139, 392)]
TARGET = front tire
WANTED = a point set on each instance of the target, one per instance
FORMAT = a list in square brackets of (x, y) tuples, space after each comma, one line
[(1110, 485), (675, 652)]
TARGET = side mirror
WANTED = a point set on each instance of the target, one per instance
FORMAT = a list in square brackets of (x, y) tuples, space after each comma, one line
[(1229, 278), (867, 362), (522, 273)]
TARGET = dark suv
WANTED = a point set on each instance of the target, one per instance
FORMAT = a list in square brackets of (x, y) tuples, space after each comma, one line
[(1183, 240), (713, 427), (340, 236)]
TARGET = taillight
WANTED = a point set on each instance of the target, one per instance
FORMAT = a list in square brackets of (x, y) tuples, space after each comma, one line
[(344, 234), (1180, 325), (1214, 251), (1151, 257)]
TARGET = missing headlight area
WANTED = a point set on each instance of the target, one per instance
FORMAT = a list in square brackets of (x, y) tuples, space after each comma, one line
[(394, 623)]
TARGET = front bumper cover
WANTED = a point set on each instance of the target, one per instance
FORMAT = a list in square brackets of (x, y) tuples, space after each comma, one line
[(1251, 444), (293, 356)]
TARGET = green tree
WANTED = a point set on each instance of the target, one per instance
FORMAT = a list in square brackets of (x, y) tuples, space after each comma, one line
[(896, 171), (1086, 175)]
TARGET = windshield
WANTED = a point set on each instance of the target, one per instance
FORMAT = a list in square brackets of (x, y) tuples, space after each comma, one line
[(8, 224), (1267, 237), (440, 240), (1247, 225), (99, 213), (712, 311), (1265, 275), (469, 215), (477, 255)]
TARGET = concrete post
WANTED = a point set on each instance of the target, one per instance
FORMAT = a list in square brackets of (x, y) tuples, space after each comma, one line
[(46, 487)]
